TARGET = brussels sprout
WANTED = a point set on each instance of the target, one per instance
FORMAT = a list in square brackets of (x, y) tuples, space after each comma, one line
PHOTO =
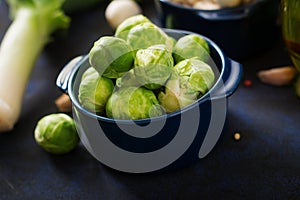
[(133, 103), (124, 28), (177, 93), (153, 66), (190, 46), (56, 133), (111, 56), (127, 79), (94, 91), (172, 43), (191, 78), (200, 75), (148, 34)]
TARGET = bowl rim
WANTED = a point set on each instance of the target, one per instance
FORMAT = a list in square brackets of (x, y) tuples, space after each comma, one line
[(205, 97), (225, 10)]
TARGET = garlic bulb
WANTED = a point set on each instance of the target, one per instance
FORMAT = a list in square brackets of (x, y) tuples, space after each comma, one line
[(118, 10)]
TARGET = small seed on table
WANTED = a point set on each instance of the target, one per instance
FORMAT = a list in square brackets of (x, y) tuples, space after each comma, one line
[(237, 136), (247, 83)]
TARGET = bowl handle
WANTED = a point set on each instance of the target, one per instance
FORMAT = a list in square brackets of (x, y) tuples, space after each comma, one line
[(63, 77), (231, 78)]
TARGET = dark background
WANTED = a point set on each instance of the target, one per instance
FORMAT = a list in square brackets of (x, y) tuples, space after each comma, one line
[(264, 164)]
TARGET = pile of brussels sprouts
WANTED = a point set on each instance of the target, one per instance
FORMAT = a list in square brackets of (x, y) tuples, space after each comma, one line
[(141, 72)]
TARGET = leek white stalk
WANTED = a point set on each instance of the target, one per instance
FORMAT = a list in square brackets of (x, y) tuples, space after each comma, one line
[(33, 22)]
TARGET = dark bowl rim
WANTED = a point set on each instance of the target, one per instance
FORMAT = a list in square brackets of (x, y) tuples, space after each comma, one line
[(199, 101), (226, 10)]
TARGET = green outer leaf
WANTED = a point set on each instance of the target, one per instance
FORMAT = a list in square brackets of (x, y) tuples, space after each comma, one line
[(124, 28), (190, 46), (153, 66), (94, 91), (49, 13), (200, 76), (133, 103), (111, 56)]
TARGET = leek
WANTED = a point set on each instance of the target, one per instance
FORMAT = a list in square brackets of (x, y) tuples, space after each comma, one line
[(33, 22)]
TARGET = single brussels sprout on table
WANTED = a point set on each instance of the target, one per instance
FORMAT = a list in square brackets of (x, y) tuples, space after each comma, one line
[(191, 78), (111, 56), (153, 66), (56, 133), (190, 46), (94, 91), (133, 103)]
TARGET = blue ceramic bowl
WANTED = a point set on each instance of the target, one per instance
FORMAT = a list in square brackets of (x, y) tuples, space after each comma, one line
[(241, 32), (160, 143)]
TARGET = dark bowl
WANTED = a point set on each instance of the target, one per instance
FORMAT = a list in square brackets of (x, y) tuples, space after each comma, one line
[(241, 32), (161, 143)]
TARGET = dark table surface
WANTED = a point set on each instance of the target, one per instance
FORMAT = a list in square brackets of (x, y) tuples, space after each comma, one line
[(264, 164)]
